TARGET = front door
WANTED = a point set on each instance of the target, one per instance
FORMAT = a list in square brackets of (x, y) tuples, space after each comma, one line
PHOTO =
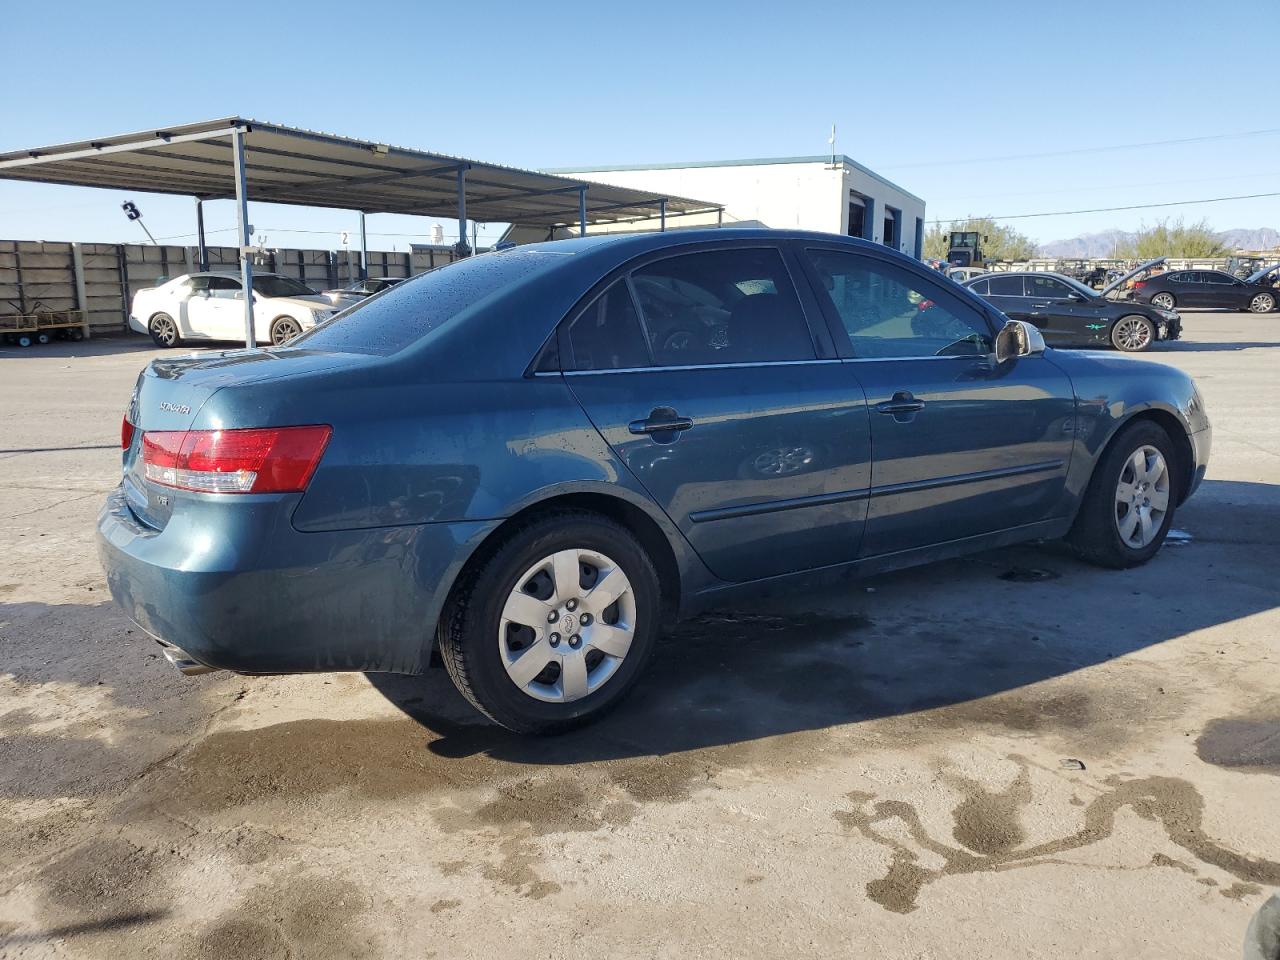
[(962, 446), (218, 311), (1065, 318), (1224, 291), (704, 376)]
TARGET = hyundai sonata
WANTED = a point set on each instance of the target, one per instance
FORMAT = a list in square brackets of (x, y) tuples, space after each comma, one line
[(533, 458)]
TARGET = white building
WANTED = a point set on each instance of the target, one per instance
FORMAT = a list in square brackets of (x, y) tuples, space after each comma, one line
[(806, 193)]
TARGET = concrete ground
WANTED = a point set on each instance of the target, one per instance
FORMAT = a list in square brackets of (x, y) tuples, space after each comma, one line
[(1012, 755)]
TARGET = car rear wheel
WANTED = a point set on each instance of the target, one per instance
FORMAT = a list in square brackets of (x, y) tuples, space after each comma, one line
[(1262, 303), (164, 331), (1164, 301), (284, 329), (1128, 506), (1133, 334), (553, 627)]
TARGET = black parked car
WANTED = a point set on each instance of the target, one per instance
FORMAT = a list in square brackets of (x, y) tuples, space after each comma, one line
[(1208, 288), (1070, 314)]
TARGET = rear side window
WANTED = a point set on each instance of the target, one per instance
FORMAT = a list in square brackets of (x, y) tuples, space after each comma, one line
[(889, 312), (724, 306), (607, 335), (401, 315), (1006, 286), (980, 287)]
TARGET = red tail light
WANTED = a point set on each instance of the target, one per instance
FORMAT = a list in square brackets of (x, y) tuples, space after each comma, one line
[(1139, 284), (126, 433), (269, 460)]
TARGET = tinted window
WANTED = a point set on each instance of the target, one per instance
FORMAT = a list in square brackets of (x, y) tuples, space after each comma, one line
[(1047, 287), (889, 312), (1184, 277), (400, 316), (270, 285), (607, 335), (227, 288), (1215, 277), (980, 287), (1006, 286), (726, 306)]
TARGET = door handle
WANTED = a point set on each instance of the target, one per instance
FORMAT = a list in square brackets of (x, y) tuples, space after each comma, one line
[(902, 402), (660, 420)]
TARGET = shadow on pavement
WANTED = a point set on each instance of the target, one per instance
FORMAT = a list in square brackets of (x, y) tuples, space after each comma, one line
[(919, 642)]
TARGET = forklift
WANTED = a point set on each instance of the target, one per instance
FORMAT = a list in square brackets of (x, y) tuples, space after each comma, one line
[(965, 249)]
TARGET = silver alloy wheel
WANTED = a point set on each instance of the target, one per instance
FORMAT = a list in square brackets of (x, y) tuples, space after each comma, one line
[(164, 330), (561, 641), (1262, 303), (1163, 300), (284, 330), (1142, 497), (1131, 333)]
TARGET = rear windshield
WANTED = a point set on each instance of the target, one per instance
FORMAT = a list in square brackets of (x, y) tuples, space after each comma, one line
[(402, 314)]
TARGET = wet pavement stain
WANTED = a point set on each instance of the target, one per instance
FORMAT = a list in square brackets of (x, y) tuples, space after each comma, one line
[(1174, 803), (314, 917), (1242, 743)]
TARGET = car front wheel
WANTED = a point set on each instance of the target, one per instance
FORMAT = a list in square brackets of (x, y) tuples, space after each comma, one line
[(164, 331), (1133, 334), (1128, 506), (1262, 303), (284, 329), (553, 626)]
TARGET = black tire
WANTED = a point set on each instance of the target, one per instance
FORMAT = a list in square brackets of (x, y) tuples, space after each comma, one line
[(1262, 303), (284, 329), (1095, 536), (164, 331), (469, 625), (1123, 337), (42, 338), (1167, 301)]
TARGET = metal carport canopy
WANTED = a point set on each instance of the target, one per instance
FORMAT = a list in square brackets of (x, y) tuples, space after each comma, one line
[(250, 160), (295, 166)]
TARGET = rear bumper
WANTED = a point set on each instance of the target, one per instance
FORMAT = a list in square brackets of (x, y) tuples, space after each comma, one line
[(236, 587)]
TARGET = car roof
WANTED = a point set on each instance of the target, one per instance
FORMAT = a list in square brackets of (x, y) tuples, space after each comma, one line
[(1021, 273)]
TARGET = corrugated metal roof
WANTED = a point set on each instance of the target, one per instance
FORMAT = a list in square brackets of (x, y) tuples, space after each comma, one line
[(310, 168)]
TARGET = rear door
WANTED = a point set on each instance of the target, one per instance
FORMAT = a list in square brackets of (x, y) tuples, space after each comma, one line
[(706, 378), (962, 446), (1007, 293), (218, 313), (1187, 287)]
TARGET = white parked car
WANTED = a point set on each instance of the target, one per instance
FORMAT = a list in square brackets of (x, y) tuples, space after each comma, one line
[(210, 306)]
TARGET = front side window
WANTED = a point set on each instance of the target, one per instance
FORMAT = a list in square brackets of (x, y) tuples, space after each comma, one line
[(890, 313), (1006, 286), (1221, 278), (607, 335), (723, 306), (1047, 288)]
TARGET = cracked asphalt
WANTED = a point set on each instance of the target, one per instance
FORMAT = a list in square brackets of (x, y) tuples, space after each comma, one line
[(1011, 755)]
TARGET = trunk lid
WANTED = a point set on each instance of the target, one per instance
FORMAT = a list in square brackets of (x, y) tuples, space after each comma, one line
[(1121, 281), (171, 392)]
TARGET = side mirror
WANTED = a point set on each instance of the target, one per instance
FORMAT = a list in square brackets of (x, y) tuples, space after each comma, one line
[(1018, 339), (1075, 297)]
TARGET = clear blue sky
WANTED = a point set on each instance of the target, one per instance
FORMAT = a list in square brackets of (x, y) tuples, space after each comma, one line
[(917, 91)]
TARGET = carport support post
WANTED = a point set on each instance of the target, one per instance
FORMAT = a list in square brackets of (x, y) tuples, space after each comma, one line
[(462, 212), (242, 230), (203, 247), (582, 211), (662, 215), (364, 250)]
